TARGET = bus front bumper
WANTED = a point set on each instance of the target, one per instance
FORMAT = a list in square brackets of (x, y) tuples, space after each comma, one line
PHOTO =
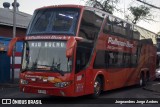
[(65, 92)]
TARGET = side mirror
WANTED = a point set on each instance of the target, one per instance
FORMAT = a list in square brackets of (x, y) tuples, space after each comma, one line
[(70, 46), (12, 44)]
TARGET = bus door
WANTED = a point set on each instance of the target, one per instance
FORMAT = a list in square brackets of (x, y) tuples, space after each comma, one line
[(82, 58)]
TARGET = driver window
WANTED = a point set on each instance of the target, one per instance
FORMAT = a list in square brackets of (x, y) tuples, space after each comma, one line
[(82, 58)]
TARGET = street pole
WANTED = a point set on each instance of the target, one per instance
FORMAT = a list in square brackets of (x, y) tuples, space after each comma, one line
[(14, 35)]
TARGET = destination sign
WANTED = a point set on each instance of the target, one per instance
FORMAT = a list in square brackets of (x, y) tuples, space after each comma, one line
[(54, 44)]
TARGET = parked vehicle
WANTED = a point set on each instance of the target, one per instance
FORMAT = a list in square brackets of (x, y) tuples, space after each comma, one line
[(158, 73)]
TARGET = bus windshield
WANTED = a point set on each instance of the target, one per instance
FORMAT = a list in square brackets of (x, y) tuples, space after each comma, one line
[(57, 21), (45, 56)]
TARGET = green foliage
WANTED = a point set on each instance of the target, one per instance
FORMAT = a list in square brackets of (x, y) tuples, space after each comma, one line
[(139, 13)]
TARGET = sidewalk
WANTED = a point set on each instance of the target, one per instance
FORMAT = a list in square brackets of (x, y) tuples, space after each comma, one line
[(153, 86), (9, 84)]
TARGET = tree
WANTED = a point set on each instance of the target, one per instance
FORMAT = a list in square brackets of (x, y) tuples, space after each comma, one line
[(105, 5), (138, 13)]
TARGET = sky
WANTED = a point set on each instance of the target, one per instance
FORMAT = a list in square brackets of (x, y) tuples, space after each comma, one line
[(28, 6)]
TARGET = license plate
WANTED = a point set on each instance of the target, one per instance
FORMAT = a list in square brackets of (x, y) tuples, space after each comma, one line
[(42, 91)]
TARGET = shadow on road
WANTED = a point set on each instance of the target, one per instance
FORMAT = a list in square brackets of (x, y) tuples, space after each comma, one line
[(87, 99), (107, 97)]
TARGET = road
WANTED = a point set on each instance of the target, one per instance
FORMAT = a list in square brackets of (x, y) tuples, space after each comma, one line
[(105, 99)]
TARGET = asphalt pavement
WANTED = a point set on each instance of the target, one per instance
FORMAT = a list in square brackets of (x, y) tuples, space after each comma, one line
[(10, 84), (11, 90), (153, 86)]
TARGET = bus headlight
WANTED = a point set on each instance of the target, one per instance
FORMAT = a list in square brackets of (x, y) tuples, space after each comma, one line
[(62, 84), (22, 81)]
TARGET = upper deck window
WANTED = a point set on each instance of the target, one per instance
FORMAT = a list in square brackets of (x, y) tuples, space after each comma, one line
[(54, 21), (117, 27), (90, 24)]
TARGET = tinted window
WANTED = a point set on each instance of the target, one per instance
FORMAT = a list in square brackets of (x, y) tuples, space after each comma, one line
[(117, 27), (100, 61), (136, 33), (108, 25), (82, 57), (54, 21), (109, 59), (45, 56), (90, 25)]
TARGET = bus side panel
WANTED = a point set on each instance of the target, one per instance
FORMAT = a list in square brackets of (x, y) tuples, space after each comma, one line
[(152, 61), (131, 76), (116, 78), (80, 79), (89, 83), (147, 61)]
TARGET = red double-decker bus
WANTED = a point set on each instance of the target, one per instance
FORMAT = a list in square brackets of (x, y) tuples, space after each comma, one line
[(73, 50)]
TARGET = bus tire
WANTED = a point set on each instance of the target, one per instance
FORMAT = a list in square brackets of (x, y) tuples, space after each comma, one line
[(97, 88), (142, 81)]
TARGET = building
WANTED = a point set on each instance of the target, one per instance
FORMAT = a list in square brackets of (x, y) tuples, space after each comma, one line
[(158, 44), (6, 23), (6, 31)]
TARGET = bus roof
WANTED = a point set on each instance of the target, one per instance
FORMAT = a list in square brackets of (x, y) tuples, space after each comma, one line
[(90, 8), (95, 9), (62, 6)]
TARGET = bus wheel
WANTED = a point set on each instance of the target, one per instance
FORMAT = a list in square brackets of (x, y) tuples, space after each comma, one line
[(142, 80), (97, 88)]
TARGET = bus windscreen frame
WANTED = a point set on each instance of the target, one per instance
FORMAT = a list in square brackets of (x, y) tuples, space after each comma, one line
[(57, 21)]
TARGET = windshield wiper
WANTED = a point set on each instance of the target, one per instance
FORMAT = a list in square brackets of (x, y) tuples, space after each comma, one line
[(33, 65), (52, 68), (55, 69)]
